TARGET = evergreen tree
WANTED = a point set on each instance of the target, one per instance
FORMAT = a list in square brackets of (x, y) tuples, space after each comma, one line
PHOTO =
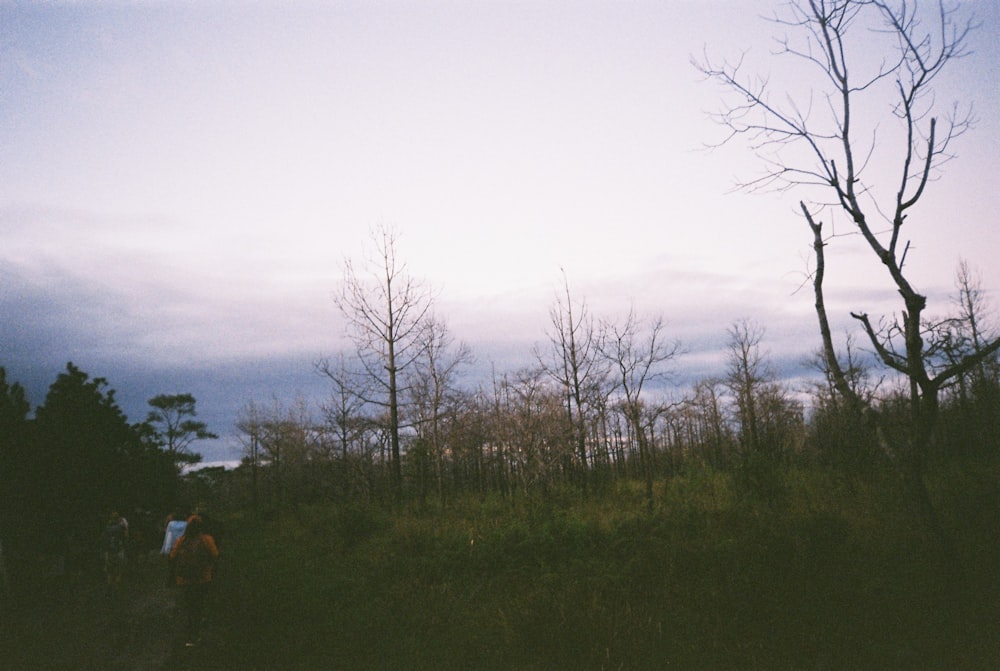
[(89, 459)]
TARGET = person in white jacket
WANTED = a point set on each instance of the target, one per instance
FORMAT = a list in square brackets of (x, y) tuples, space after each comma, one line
[(176, 524)]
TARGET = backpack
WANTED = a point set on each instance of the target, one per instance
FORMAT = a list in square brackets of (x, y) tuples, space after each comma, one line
[(190, 559)]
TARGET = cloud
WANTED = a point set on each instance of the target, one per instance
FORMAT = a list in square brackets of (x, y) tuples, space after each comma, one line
[(109, 286)]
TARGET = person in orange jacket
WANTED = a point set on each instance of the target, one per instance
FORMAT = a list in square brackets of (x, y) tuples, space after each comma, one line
[(192, 561)]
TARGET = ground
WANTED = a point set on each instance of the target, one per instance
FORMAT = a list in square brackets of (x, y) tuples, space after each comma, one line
[(72, 623)]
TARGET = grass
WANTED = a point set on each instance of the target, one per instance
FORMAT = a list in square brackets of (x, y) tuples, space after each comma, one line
[(828, 574)]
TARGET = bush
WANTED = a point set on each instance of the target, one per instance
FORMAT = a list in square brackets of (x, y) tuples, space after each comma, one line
[(760, 478)]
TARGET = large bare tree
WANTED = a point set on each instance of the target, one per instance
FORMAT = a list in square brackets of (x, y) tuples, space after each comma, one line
[(386, 311), (862, 139)]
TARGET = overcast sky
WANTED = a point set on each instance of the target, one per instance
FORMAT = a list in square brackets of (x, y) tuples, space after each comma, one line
[(180, 183)]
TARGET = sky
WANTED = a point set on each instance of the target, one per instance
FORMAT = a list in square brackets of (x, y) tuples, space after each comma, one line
[(181, 183)]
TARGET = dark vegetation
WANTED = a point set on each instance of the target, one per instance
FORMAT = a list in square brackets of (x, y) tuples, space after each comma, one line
[(832, 577), (792, 558), (71, 464), (804, 552)]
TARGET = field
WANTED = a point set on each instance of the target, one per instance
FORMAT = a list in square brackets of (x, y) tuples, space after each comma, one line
[(824, 572), (829, 575)]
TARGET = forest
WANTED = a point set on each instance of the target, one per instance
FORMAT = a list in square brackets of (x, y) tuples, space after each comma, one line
[(584, 510), (595, 410), (696, 548)]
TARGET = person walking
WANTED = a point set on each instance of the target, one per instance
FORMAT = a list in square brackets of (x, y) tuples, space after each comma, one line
[(115, 535), (174, 529), (193, 559)]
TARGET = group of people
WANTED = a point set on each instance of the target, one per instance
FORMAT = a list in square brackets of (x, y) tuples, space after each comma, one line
[(191, 552)]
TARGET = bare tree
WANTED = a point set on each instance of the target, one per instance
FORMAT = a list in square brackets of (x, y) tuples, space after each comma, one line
[(638, 352), (529, 431), (386, 311), (434, 392), (974, 330), (347, 395), (344, 410), (708, 429), (745, 375), (819, 139), (573, 361), (974, 398), (282, 438), (769, 419), (250, 425), (470, 441)]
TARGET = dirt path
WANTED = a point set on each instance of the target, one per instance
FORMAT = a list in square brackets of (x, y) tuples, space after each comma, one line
[(71, 624)]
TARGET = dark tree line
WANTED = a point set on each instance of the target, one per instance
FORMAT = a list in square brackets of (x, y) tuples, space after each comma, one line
[(76, 458), (595, 409), (515, 438)]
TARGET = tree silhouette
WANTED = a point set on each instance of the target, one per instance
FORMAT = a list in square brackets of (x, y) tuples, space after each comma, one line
[(15, 438), (833, 140), (387, 313), (87, 459), (171, 419)]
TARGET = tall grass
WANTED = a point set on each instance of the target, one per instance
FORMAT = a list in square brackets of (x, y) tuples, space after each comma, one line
[(826, 575)]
